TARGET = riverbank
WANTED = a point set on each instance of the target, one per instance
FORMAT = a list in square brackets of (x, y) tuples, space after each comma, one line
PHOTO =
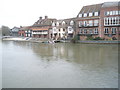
[(99, 42), (26, 39), (45, 40)]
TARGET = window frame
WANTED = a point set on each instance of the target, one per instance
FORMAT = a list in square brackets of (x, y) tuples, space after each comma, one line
[(80, 15), (96, 13), (85, 15), (96, 31), (106, 30), (90, 22), (81, 31), (114, 30), (90, 14)]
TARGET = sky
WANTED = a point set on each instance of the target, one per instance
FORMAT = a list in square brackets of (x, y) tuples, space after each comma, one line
[(26, 12)]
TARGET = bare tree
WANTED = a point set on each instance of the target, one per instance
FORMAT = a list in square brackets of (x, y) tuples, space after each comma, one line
[(5, 31)]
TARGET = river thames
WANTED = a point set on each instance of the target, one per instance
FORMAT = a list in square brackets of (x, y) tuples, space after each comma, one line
[(59, 65)]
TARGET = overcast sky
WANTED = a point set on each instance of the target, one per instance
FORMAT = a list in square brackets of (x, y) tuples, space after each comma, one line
[(26, 12)]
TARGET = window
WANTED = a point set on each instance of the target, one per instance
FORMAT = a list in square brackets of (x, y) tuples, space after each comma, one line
[(80, 23), (105, 13), (91, 31), (80, 15), (54, 30), (70, 28), (96, 31), (81, 31), (85, 14), (95, 22), (63, 29), (108, 13), (63, 23), (71, 22), (53, 24), (90, 23), (111, 12), (96, 14), (111, 21), (85, 31), (29, 31), (85, 23), (57, 24), (106, 30), (116, 12), (90, 14), (114, 30)]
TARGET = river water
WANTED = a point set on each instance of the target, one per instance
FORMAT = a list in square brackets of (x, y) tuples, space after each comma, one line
[(60, 65)]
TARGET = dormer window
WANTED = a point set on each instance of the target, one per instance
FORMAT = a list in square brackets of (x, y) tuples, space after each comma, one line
[(90, 14), (57, 24), (53, 24), (71, 22), (80, 15), (96, 14), (85, 14), (63, 23)]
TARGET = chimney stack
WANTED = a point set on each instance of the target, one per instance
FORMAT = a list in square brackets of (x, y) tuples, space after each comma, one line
[(40, 18), (46, 17)]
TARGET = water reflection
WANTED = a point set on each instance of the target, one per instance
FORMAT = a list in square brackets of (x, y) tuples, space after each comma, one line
[(64, 64)]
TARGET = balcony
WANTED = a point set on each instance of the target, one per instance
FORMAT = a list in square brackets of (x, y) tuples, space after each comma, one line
[(40, 33), (95, 25), (88, 33), (111, 25)]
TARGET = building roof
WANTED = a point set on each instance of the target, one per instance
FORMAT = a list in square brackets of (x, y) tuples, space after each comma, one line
[(44, 22), (90, 8), (15, 27), (67, 21), (111, 4), (25, 28)]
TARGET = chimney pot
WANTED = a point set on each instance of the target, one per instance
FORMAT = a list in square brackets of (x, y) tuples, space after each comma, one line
[(46, 17), (40, 18)]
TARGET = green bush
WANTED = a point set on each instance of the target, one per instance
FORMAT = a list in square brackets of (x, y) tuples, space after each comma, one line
[(89, 38), (92, 38), (98, 38), (75, 39), (114, 38)]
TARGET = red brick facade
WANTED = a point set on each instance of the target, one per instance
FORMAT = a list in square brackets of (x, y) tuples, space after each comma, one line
[(109, 35), (21, 33), (100, 20)]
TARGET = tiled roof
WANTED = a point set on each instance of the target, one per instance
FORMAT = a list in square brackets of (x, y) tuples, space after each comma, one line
[(44, 22), (68, 20), (91, 8), (111, 4), (25, 28)]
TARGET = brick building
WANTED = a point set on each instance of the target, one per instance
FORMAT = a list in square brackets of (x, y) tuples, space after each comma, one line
[(41, 28), (99, 20), (110, 20), (25, 31)]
